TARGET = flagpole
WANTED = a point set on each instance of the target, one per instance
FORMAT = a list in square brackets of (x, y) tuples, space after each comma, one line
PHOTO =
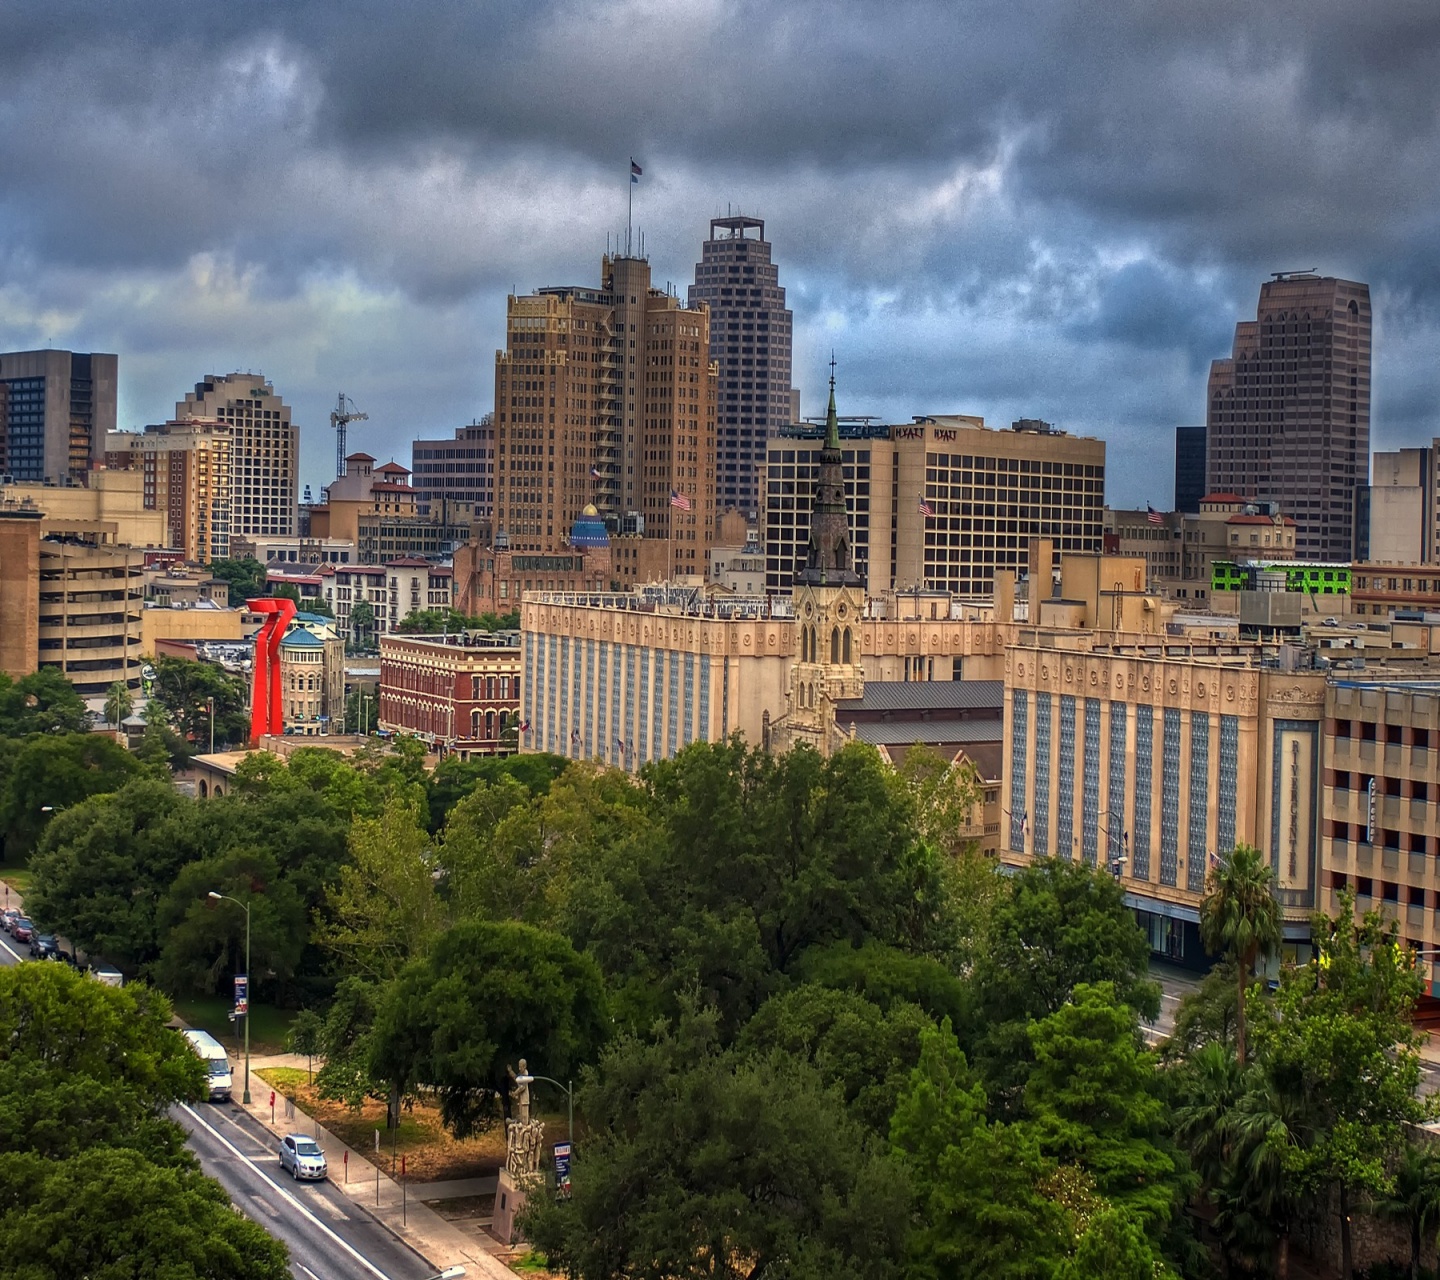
[(630, 214)]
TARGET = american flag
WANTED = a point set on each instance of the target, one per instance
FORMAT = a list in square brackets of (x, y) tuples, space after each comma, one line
[(681, 500), (635, 171), (1153, 516), (925, 508), (595, 471)]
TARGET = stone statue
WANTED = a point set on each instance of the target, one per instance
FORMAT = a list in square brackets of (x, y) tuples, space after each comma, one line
[(519, 1093), (524, 1142)]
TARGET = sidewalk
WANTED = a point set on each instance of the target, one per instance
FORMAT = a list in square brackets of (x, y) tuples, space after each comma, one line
[(439, 1242)]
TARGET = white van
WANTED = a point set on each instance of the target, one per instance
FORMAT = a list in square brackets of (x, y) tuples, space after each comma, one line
[(108, 974), (212, 1053)]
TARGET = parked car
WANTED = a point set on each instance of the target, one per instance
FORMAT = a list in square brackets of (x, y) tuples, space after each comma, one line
[(8, 918), (23, 930), (44, 947), (301, 1155), (217, 1063)]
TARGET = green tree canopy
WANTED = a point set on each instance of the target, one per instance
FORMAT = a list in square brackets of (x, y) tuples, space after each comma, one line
[(181, 695), (1062, 924), (110, 1212), (118, 703), (246, 578), (50, 773), (714, 1165), (486, 996), (43, 702)]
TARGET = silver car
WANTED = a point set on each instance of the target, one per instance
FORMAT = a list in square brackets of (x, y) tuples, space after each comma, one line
[(302, 1156)]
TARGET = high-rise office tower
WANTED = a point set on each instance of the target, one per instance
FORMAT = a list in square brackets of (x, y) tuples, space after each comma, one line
[(457, 470), (56, 408), (750, 341), (607, 396), (1288, 416), (264, 450), (1189, 468), (186, 469)]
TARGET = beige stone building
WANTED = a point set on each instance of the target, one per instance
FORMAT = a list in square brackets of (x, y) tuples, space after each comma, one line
[(108, 510), (941, 503), (312, 676), (606, 397), (161, 624), (1152, 759), (264, 452), (1403, 514), (375, 509), (1380, 827), (186, 470), (19, 588), (627, 679)]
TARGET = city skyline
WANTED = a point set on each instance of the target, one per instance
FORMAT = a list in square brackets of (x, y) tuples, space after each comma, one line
[(1052, 243)]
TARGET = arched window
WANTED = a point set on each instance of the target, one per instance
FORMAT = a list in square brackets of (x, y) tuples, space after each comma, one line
[(490, 688), (204, 789), (475, 724), (489, 724), (847, 644), (835, 644)]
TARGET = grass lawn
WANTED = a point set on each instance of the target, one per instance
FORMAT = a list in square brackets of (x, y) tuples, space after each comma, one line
[(267, 1030), (431, 1154), (18, 878)]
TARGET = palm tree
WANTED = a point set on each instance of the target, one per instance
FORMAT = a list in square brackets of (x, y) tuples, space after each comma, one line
[(1415, 1200), (1241, 919), (118, 703)]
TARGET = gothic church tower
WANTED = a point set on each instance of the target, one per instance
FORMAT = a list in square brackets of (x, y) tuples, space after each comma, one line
[(829, 600)]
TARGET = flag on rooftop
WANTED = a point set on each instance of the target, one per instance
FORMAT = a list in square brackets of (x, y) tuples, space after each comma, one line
[(1153, 516)]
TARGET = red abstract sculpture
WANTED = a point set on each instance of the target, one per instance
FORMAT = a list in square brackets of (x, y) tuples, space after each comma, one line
[(266, 707)]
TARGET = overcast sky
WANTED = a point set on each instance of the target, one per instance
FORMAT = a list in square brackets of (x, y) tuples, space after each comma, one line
[(1053, 210)]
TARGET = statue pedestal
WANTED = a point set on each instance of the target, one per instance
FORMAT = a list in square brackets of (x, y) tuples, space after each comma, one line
[(510, 1197)]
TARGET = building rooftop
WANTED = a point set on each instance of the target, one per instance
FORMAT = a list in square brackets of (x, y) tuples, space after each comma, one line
[(925, 695), (888, 733), (301, 639)]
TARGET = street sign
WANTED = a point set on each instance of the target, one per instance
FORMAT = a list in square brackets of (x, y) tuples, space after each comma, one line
[(562, 1170), (242, 994)]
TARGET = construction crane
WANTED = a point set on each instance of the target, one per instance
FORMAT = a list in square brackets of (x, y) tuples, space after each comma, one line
[(341, 416)]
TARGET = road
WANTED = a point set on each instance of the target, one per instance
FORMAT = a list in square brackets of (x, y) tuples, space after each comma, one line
[(330, 1237)]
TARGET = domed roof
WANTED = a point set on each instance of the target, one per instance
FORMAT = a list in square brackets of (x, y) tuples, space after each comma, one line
[(589, 529)]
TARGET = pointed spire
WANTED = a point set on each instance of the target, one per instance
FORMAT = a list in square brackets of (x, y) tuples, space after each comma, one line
[(832, 423)]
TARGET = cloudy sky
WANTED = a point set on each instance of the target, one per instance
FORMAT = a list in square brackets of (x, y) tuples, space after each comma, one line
[(1002, 207)]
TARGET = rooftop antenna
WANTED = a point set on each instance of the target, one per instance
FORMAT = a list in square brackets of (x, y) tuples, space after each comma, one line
[(340, 418)]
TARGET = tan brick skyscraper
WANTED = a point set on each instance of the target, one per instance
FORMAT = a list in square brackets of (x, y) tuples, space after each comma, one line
[(1289, 413), (606, 396)]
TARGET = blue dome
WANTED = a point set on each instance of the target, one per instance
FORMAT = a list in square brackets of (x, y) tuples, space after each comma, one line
[(589, 529)]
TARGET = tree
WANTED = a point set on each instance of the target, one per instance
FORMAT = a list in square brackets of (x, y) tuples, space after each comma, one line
[(306, 1035), (385, 909), (103, 866), (246, 578), (703, 1164), (50, 773), (182, 694), (137, 1220), (484, 997), (1414, 1199), (1094, 1098), (1241, 919), (1342, 1045), (118, 703), (362, 624), (42, 702), (1062, 924), (70, 1025), (984, 1203), (863, 1050), (1113, 1247)]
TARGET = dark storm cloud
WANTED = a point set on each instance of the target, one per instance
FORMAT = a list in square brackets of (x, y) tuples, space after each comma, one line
[(1000, 206)]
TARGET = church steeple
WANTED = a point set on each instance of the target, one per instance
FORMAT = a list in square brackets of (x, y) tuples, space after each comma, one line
[(828, 559)]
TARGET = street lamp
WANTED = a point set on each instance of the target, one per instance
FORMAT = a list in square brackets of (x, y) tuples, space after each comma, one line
[(225, 897), (568, 1091)]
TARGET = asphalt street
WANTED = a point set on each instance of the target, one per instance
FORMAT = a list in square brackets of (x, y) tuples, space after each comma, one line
[(330, 1237)]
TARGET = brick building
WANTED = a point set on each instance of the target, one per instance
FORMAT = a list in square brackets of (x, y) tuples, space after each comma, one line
[(461, 693)]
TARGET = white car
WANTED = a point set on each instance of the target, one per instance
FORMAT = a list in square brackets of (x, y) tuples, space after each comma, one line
[(301, 1155)]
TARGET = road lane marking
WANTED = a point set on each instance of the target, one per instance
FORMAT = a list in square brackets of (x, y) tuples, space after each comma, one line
[(18, 957), (265, 1206), (220, 1137), (307, 1271)]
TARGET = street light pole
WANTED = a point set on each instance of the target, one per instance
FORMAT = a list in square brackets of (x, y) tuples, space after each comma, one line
[(211, 701), (225, 897)]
